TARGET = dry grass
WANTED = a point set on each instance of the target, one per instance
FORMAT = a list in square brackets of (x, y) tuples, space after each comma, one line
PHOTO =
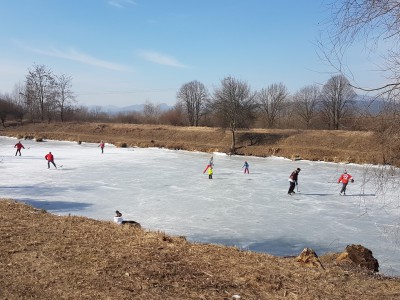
[(337, 146), (43, 256)]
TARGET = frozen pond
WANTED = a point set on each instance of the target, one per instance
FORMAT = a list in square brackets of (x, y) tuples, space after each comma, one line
[(166, 190)]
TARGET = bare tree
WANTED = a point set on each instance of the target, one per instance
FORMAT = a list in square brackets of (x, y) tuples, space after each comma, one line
[(234, 102), (5, 108), (151, 112), (306, 102), (17, 97), (337, 95), (40, 89), (65, 95), (272, 101), (9, 109), (193, 96), (375, 22)]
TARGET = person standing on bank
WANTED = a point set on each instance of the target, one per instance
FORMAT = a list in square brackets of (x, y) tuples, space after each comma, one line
[(19, 146), (50, 159), (293, 180), (344, 179)]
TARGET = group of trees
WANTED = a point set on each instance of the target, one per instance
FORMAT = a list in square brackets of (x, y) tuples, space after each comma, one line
[(236, 106), (44, 96), (47, 94), (375, 23), (232, 105)]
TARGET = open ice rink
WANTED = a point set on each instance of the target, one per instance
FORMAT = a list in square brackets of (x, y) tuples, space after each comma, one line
[(166, 190)]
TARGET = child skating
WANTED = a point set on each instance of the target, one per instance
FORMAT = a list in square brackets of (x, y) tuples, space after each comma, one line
[(210, 164), (246, 167), (102, 147), (210, 172)]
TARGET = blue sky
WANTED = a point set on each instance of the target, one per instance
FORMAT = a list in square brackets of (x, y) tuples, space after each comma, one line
[(124, 52)]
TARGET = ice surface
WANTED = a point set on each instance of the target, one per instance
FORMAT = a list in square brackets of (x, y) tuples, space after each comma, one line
[(166, 190)]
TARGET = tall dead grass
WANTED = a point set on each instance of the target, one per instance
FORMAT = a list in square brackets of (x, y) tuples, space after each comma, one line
[(338, 146)]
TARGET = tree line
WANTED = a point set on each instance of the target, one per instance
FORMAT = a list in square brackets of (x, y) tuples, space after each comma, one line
[(44, 96)]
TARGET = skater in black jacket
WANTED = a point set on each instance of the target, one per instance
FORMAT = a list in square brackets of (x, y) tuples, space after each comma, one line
[(293, 180)]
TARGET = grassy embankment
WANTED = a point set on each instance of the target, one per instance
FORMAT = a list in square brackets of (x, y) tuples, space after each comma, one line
[(337, 146), (43, 256)]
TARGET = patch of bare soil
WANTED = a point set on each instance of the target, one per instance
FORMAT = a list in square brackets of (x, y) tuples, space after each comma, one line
[(43, 256), (336, 146)]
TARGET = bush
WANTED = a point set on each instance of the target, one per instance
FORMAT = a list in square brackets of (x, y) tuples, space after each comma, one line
[(122, 145)]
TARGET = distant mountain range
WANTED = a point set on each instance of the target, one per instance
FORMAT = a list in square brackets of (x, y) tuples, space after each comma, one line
[(368, 104), (112, 109)]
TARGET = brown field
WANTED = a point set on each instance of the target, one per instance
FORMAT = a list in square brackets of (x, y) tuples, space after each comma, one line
[(43, 256), (337, 146)]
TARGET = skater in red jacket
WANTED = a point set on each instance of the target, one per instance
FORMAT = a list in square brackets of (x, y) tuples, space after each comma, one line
[(19, 146), (344, 179), (50, 159)]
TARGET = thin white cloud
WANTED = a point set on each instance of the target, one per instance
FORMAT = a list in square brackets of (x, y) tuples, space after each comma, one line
[(160, 58), (74, 55), (120, 3)]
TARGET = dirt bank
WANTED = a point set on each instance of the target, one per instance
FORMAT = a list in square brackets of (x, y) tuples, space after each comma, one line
[(336, 146), (43, 256)]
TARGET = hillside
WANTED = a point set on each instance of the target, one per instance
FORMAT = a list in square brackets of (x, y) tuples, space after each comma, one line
[(43, 256), (337, 146)]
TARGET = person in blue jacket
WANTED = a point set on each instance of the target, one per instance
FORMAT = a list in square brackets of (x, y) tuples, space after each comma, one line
[(246, 167)]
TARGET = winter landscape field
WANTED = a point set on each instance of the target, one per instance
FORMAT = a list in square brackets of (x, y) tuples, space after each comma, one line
[(166, 190)]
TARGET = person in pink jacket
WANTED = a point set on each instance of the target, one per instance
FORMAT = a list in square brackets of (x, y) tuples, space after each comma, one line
[(101, 147)]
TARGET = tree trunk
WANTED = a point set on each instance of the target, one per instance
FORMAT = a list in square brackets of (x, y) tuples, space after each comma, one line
[(233, 145)]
